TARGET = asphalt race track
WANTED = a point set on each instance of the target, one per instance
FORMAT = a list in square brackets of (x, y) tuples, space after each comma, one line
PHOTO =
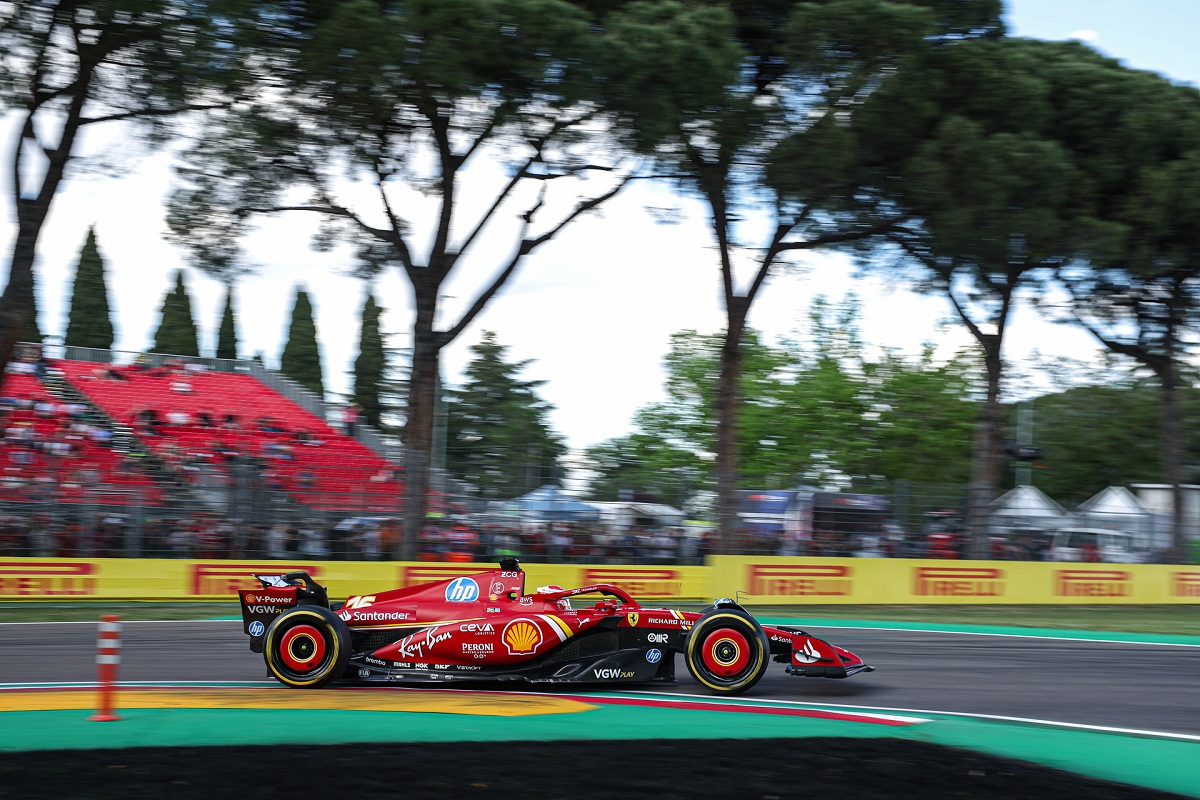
[(1129, 686), (1123, 725)]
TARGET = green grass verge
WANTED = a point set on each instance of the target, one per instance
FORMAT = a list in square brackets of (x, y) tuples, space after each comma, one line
[(1183, 620)]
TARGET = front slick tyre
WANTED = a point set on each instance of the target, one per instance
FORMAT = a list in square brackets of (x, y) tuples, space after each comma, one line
[(307, 647), (727, 651)]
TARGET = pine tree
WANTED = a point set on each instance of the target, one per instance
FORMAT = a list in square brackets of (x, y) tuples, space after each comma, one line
[(89, 319), (227, 343), (301, 359), (498, 429), (176, 334), (371, 364)]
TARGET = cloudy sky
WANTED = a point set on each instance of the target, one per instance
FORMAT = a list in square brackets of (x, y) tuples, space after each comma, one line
[(593, 310)]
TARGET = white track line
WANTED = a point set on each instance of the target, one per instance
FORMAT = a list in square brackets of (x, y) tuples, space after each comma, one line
[(1024, 720)]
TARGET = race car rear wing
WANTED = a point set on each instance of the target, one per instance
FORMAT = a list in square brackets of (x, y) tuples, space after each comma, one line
[(279, 593)]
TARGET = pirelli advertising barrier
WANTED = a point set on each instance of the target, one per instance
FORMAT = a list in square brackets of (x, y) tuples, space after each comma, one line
[(764, 581), (754, 580), (171, 580)]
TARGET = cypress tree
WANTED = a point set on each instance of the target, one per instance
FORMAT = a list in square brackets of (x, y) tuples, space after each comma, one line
[(371, 364), (227, 343), (32, 333), (301, 359), (176, 334), (89, 319)]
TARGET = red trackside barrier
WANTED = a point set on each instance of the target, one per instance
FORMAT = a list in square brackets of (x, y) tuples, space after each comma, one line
[(108, 657)]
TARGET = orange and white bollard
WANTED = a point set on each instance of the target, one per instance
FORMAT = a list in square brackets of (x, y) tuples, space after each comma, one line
[(108, 658)]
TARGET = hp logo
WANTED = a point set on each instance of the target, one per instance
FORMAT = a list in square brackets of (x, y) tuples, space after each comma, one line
[(462, 590), (257, 628), (654, 656)]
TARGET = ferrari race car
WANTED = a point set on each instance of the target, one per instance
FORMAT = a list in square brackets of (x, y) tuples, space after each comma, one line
[(484, 626)]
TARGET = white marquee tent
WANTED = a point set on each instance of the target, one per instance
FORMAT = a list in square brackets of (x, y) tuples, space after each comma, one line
[(1027, 508)]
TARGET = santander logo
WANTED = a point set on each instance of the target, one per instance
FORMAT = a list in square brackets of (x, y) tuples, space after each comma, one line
[(807, 654)]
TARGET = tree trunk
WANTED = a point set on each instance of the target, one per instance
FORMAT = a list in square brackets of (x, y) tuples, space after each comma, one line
[(985, 466), (418, 429), (1173, 456), (727, 431), (16, 304)]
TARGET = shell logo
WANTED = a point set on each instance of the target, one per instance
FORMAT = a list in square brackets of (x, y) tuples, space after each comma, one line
[(522, 636)]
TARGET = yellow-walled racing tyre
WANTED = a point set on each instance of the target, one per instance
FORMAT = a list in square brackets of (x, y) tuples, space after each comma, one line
[(307, 647), (727, 651)]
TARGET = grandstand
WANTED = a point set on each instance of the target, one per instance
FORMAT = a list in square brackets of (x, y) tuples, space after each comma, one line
[(55, 451), (177, 437), (204, 422)]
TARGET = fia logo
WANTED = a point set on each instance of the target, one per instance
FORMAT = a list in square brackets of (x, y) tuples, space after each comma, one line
[(462, 590)]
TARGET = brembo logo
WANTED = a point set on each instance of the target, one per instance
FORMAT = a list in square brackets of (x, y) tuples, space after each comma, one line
[(1093, 583), (46, 579), (958, 581), (800, 580), (226, 578), (1185, 584), (638, 582)]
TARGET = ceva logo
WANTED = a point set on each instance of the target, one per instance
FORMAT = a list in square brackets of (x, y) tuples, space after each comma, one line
[(462, 590)]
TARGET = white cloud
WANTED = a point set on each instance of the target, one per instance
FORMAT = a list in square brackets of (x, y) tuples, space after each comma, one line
[(1085, 35)]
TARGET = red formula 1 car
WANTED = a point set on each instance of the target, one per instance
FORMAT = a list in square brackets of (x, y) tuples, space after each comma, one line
[(484, 626)]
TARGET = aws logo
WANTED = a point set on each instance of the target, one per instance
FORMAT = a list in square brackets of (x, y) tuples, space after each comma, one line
[(522, 636)]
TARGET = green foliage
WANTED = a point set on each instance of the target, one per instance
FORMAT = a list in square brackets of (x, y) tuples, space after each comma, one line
[(89, 320), (817, 411), (498, 432), (176, 333), (645, 467), (666, 64), (227, 341), (1097, 436), (370, 367), (301, 358), (923, 415)]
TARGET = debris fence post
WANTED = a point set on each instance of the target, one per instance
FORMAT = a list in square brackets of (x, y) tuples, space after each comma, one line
[(108, 658)]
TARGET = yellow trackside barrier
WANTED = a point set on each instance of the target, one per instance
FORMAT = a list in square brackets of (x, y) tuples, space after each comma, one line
[(790, 581), (754, 580), (71, 579)]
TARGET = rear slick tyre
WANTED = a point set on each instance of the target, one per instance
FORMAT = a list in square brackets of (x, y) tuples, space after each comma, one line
[(727, 651), (307, 648)]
